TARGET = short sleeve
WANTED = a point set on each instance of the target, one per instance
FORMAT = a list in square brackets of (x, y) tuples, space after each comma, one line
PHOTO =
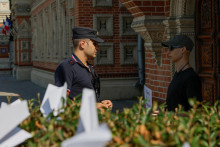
[(59, 78), (64, 74), (68, 75)]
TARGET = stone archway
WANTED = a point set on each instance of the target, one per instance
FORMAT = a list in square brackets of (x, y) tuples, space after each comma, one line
[(177, 18)]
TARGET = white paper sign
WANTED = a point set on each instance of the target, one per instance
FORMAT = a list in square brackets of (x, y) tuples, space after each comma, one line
[(88, 112), (89, 133), (15, 137), (186, 144), (52, 100), (148, 96), (11, 116), (3, 105), (96, 138)]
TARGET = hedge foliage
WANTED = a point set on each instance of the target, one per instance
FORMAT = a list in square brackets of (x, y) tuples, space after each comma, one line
[(131, 127)]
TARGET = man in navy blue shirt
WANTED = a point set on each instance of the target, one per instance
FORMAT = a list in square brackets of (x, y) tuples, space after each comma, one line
[(76, 71)]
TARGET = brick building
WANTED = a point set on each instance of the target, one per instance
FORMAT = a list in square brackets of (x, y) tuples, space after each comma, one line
[(43, 40)]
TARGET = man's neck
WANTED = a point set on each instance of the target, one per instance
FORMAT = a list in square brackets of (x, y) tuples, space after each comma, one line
[(81, 57), (182, 65)]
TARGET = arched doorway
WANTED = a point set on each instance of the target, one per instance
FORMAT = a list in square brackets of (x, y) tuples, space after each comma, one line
[(208, 47)]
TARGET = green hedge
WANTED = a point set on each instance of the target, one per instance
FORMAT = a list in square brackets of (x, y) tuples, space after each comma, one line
[(131, 127)]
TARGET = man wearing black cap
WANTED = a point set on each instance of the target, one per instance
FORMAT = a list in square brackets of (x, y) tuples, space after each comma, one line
[(76, 71), (185, 83)]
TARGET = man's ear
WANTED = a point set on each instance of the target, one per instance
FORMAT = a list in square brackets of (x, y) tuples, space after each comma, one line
[(184, 49), (82, 44)]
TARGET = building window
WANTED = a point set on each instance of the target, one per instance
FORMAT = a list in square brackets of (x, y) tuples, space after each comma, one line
[(105, 54), (24, 57), (24, 45), (128, 53), (3, 51), (103, 23), (125, 25), (102, 3)]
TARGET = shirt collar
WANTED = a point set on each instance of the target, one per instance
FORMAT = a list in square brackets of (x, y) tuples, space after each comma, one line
[(77, 60)]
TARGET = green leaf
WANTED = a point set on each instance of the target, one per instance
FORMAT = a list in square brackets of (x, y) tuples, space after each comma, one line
[(195, 141), (140, 140), (204, 143), (31, 144), (213, 144), (214, 135), (60, 134)]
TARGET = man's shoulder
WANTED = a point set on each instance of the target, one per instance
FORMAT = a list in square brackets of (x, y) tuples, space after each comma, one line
[(189, 72), (192, 73), (67, 62), (191, 76)]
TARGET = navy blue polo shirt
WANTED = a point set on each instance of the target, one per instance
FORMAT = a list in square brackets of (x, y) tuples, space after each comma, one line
[(76, 74)]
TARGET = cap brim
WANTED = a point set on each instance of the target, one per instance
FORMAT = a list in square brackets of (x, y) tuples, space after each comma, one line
[(169, 43), (99, 40), (165, 44)]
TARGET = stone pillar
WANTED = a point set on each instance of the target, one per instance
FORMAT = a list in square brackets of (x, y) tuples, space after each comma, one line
[(21, 16), (151, 30)]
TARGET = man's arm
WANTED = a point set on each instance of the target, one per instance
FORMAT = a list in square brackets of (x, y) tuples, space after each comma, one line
[(59, 79), (63, 74)]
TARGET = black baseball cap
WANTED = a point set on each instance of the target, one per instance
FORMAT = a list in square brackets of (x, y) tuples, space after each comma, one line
[(179, 41), (86, 33)]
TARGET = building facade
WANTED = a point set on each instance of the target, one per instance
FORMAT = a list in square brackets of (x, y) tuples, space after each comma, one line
[(43, 40), (5, 44)]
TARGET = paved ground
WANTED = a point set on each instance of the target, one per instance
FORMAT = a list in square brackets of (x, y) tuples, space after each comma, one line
[(29, 90)]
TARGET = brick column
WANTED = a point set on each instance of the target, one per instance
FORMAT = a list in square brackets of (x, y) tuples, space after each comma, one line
[(157, 65)]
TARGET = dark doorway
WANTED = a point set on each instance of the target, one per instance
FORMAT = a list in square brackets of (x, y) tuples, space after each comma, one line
[(207, 47)]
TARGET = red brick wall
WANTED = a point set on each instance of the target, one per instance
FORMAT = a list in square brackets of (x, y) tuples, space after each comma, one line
[(49, 66), (157, 77), (150, 8), (85, 18)]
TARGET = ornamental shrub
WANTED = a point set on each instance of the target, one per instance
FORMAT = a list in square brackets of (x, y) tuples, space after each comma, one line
[(132, 127)]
